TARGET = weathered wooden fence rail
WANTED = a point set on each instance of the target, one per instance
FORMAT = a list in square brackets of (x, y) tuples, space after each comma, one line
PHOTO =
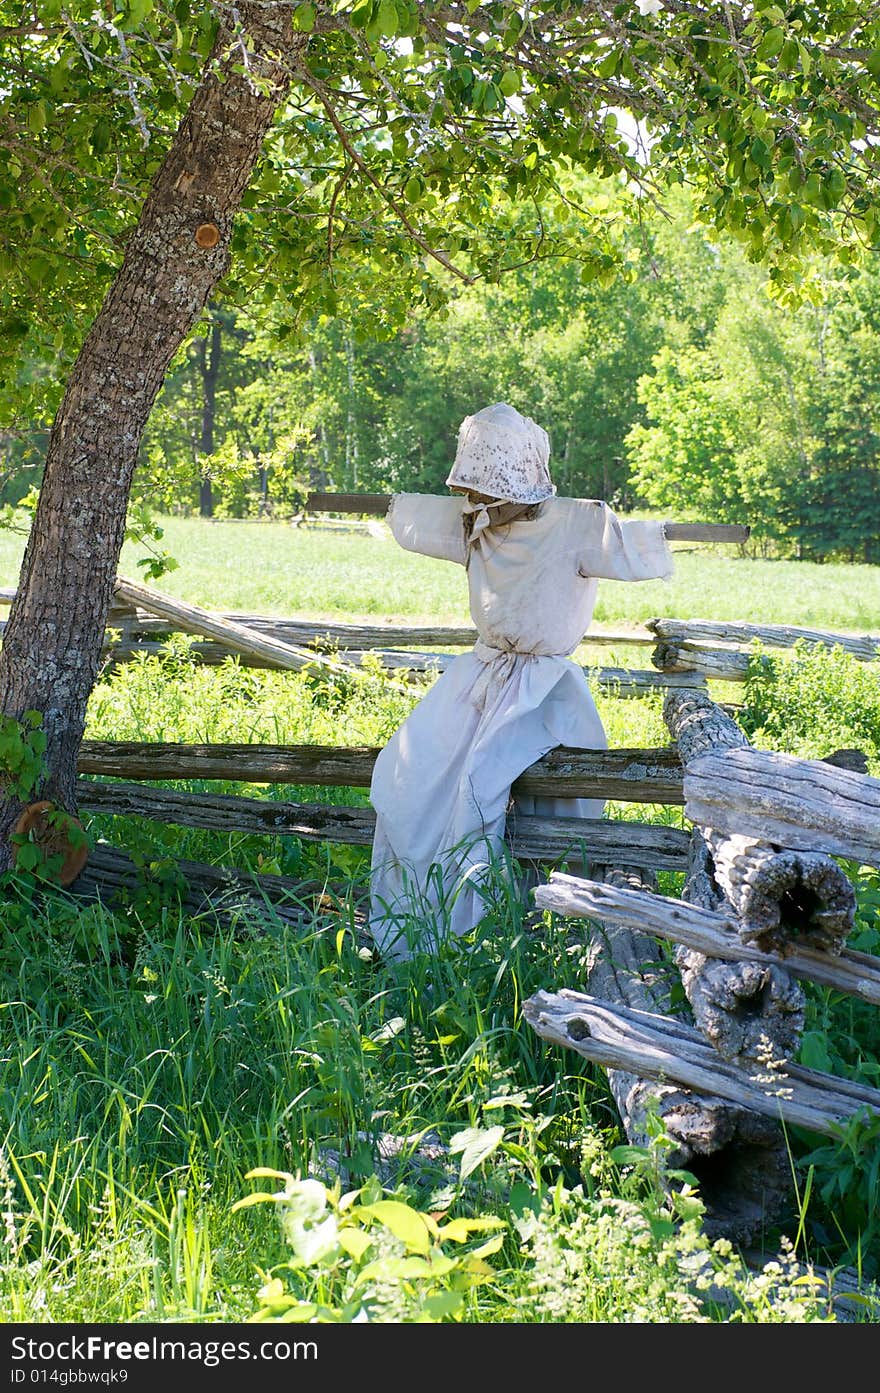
[(739, 791), (663, 1047), (688, 632), (713, 933), (530, 838), (630, 775)]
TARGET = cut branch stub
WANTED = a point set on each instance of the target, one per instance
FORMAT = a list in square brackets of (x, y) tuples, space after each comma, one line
[(207, 235), (41, 825), (783, 897)]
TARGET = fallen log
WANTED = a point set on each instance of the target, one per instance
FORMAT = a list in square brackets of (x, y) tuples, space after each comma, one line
[(733, 790), (662, 1047), (112, 876), (530, 838), (703, 930), (192, 619), (635, 776), (686, 631), (376, 505), (738, 1157)]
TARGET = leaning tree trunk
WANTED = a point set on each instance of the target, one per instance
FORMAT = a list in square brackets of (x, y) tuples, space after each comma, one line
[(175, 256)]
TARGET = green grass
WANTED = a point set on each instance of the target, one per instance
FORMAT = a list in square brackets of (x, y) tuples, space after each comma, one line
[(278, 569), (151, 1058)]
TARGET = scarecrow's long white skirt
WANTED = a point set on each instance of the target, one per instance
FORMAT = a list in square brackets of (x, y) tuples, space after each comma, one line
[(441, 786)]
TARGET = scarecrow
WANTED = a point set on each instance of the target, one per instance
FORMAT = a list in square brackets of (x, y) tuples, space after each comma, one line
[(441, 786)]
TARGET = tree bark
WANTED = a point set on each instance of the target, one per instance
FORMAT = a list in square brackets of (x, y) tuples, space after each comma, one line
[(175, 256), (209, 367)]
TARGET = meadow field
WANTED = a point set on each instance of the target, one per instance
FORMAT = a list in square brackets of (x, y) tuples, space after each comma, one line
[(153, 1058), (276, 568)]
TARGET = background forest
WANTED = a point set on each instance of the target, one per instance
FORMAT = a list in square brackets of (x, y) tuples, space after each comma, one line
[(666, 373)]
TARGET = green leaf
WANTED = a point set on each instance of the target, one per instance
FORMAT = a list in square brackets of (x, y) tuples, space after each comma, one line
[(354, 1241), (304, 17), (476, 1145), (138, 11), (443, 1303), (460, 1230), (510, 82), (771, 43), (250, 1200), (387, 19), (101, 136), (37, 116), (872, 63), (405, 1223), (413, 189)]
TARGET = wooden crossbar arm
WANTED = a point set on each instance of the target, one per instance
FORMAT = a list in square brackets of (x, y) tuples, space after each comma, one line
[(376, 505)]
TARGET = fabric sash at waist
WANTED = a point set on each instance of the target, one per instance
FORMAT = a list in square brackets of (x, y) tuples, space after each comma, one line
[(500, 665)]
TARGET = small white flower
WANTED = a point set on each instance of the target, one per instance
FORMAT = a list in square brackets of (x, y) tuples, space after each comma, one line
[(649, 7)]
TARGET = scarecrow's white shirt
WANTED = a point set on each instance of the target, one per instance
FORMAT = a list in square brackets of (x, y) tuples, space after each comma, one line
[(441, 785)]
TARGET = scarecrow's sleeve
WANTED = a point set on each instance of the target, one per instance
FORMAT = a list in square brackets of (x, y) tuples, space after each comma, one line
[(430, 525), (612, 548)]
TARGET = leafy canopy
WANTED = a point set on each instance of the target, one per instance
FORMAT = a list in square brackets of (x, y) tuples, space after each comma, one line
[(426, 144)]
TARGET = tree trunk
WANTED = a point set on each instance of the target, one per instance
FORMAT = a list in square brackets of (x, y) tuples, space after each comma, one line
[(175, 256), (209, 367)]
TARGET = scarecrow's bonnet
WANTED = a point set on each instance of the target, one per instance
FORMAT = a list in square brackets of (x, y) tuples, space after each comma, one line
[(503, 455)]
